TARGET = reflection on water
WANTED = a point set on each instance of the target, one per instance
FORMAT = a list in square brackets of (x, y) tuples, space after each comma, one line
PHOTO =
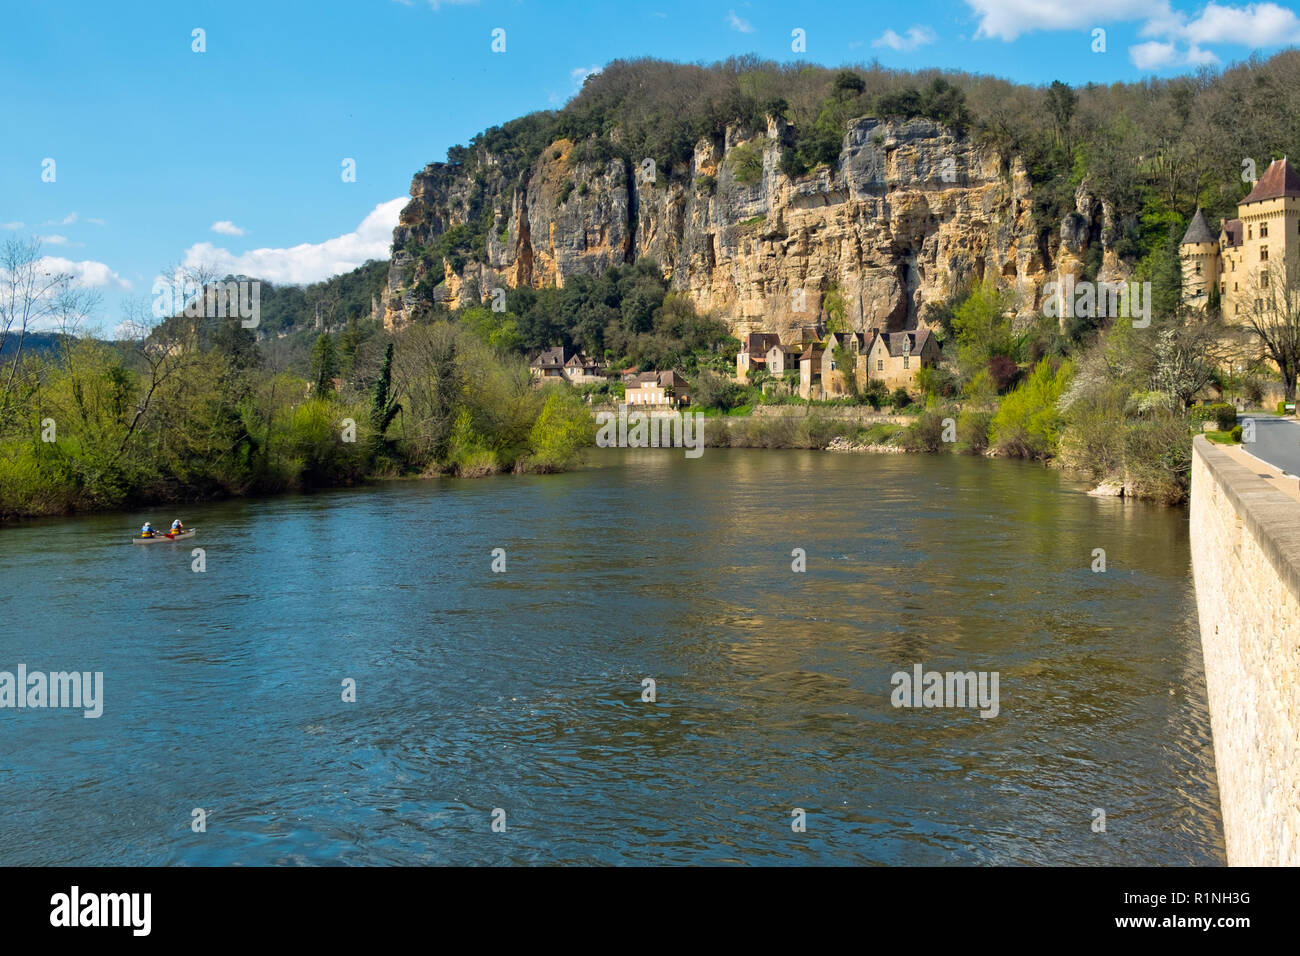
[(522, 690)]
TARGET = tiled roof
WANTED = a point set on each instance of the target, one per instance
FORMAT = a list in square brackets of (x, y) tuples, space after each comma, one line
[(550, 358), (1198, 230), (1278, 180), (917, 339)]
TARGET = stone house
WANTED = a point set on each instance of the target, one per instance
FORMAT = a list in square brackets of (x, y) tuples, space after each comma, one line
[(782, 359), (554, 363), (894, 358), (810, 372), (549, 364), (656, 390), (753, 353), (582, 369)]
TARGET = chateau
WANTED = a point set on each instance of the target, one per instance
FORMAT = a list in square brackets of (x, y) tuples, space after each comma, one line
[(1261, 245)]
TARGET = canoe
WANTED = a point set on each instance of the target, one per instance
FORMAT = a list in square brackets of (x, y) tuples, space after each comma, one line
[(188, 533)]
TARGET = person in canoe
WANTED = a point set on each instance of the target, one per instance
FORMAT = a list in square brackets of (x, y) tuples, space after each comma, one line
[(147, 531), (177, 527)]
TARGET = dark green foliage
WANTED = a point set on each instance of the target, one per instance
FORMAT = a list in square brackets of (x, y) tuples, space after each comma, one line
[(900, 399), (711, 390), (383, 408), (324, 365)]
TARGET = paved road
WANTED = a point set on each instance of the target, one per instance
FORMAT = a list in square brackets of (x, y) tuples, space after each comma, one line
[(1277, 441)]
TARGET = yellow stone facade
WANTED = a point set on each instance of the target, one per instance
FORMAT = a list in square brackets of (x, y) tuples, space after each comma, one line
[(1260, 246)]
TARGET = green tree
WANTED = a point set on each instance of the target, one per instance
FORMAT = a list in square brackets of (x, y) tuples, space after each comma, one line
[(324, 365), (1028, 425), (383, 407)]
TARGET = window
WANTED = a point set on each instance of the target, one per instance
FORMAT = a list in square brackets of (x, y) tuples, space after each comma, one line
[(880, 365), (1259, 305), (1250, 232), (1234, 287), (1263, 280), (907, 361), (832, 365), (1263, 253), (1198, 268), (1263, 230)]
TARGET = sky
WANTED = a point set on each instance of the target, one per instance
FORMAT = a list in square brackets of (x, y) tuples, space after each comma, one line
[(129, 150)]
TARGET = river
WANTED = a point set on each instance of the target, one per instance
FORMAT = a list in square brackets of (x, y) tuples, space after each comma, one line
[(521, 691)]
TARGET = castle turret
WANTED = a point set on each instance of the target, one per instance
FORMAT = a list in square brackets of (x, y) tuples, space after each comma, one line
[(1199, 252)]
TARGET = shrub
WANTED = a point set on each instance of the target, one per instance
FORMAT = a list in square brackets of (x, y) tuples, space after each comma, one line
[(1225, 416), (900, 399), (1236, 434), (973, 432), (1003, 371), (1158, 459), (1028, 424), (713, 391), (1281, 408), (925, 434), (746, 164), (874, 393)]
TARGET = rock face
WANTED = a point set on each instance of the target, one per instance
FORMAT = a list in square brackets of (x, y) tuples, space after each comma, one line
[(911, 212)]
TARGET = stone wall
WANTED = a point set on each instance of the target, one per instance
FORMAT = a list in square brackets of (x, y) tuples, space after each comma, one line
[(863, 415), (1245, 538)]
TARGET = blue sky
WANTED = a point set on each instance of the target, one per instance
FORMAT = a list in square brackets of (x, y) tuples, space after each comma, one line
[(233, 156)]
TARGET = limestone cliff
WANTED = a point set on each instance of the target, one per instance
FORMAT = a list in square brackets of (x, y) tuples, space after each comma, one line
[(910, 212)]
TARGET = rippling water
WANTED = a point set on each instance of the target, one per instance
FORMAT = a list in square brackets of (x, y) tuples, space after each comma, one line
[(522, 690)]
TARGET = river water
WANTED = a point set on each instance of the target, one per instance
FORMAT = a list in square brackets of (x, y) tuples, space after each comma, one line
[(521, 691)]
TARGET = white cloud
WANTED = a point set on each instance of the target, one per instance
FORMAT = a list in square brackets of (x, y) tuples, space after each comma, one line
[(87, 273), (308, 262), (12, 225), (917, 36), (55, 240), (67, 220), (1153, 55), (1254, 25), (738, 24), (1173, 38), (1008, 19), (227, 228), (97, 222)]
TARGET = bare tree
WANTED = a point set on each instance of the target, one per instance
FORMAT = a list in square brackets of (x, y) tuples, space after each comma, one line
[(30, 293), (1271, 312), (1185, 358)]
